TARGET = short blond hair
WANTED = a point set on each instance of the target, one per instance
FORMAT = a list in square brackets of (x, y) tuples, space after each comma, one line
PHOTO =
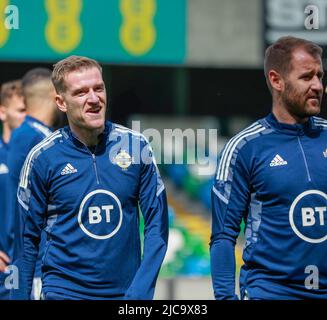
[(67, 65)]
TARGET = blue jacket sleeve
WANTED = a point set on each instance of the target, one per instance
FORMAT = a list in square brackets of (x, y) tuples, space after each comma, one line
[(32, 199), (153, 205), (18, 151), (230, 199)]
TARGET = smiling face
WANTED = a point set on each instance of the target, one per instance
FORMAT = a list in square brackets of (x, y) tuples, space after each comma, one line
[(84, 100), (302, 91)]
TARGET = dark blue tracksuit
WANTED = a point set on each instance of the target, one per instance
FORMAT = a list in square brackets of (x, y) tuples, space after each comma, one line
[(273, 175), (23, 139), (88, 201), (4, 170)]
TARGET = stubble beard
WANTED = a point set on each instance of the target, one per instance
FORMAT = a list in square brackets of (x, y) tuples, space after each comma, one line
[(297, 104)]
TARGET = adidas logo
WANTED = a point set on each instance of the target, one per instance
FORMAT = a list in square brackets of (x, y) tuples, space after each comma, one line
[(278, 161), (3, 169), (68, 169)]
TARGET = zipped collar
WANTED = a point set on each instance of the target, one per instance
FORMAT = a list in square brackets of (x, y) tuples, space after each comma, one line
[(297, 129), (103, 137)]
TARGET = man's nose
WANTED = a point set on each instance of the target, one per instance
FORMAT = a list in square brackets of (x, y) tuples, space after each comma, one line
[(317, 84), (93, 98)]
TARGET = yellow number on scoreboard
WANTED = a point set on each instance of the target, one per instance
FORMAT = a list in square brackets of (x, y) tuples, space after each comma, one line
[(137, 32), (63, 31)]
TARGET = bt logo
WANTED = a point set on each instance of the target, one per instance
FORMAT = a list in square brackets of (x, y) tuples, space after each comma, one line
[(100, 221), (309, 216), (308, 221), (95, 214)]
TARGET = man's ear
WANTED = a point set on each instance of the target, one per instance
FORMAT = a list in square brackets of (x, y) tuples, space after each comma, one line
[(276, 80), (3, 115), (60, 102)]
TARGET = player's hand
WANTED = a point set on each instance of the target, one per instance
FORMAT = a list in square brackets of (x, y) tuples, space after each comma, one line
[(4, 261)]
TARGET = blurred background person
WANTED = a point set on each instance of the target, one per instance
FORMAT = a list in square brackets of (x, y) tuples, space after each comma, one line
[(12, 114), (41, 115)]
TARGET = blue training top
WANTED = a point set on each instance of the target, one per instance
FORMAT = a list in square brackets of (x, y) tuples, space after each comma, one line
[(88, 200), (272, 175), (4, 240), (22, 140)]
